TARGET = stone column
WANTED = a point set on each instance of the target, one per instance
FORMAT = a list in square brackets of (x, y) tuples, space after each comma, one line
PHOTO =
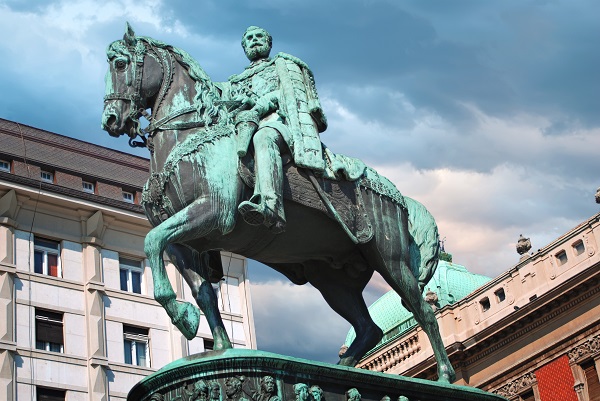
[(580, 382), (8, 345), (94, 305)]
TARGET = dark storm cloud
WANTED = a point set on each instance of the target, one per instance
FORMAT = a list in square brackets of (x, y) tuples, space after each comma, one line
[(485, 111)]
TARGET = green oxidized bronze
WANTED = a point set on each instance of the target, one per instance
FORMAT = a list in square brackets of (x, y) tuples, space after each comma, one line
[(239, 166), (248, 375)]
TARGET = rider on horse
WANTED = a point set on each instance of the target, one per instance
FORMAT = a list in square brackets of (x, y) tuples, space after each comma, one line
[(282, 111)]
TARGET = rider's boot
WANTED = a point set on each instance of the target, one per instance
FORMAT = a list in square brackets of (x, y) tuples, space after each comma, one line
[(266, 205)]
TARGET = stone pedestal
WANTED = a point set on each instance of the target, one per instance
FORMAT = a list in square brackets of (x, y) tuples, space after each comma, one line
[(241, 375)]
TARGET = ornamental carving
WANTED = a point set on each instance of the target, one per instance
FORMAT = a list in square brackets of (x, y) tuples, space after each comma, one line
[(523, 245), (516, 386), (589, 347), (393, 356)]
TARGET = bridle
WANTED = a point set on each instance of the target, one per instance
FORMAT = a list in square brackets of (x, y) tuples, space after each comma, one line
[(136, 109)]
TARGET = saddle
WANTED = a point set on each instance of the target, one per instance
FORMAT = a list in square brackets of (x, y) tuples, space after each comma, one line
[(340, 200)]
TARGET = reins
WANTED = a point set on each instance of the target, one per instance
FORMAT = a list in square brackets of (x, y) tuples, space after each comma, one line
[(166, 61)]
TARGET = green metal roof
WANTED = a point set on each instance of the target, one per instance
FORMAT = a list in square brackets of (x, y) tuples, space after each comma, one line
[(451, 283)]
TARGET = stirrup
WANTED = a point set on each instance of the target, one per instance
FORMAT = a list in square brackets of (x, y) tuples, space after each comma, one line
[(256, 213), (251, 213)]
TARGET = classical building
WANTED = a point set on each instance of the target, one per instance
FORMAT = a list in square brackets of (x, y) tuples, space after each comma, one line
[(78, 319), (532, 333)]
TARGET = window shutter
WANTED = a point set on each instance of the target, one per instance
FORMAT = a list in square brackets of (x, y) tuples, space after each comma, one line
[(49, 326), (49, 331)]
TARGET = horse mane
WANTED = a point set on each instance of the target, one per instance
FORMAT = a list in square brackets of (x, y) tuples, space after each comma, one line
[(206, 90)]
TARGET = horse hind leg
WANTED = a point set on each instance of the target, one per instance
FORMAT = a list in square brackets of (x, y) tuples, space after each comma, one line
[(394, 267), (196, 269), (424, 315), (344, 296)]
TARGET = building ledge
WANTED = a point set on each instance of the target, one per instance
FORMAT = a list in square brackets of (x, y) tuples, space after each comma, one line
[(99, 361), (8, 268), (8, 346), (57, 189), (51, 356), (95, 286)]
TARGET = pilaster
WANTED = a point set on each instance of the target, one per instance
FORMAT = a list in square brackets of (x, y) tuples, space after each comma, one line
[(94, 305), (8, 210), (7, 374)]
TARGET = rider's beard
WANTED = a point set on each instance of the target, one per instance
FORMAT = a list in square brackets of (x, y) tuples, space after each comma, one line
[(258, 52)]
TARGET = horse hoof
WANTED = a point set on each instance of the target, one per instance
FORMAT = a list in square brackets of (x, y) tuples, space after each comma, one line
[(187, 320)]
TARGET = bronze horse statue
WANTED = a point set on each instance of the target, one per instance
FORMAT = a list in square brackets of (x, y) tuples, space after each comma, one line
[(197, 182)]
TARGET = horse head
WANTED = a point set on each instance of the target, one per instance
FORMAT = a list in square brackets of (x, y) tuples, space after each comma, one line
[(133, 80), (145, 73)]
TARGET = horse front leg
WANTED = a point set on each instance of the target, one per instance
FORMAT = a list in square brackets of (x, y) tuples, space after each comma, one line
[(198, 270), (195, 221)]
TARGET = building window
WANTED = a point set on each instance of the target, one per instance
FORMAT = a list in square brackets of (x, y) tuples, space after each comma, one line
[(127, 197), (135, 345), (485, 304), (48, 331), (209, 344), (591, 378), (88, 187), (528, 396), (46, 257), (578, 248), (500, 295), (47, 176), (131, 275), (562, 258), (49, 394), (5, 166)]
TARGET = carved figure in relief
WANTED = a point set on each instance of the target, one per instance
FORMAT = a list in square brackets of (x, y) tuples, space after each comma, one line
[(352, 395), (157, 397), (214, 393), (386, 398), (301, 391), (196, 185), (199, 391), (402, 398), (316, 393), (233, 388), (268, 390), (282, 115)]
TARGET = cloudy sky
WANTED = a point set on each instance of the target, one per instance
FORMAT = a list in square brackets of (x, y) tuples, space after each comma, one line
[(486, 112)]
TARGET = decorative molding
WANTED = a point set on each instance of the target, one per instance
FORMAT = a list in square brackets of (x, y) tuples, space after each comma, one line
[(393, 356), (541, 315), (516, 386), (44, 186), (588, 245), (588, 348)]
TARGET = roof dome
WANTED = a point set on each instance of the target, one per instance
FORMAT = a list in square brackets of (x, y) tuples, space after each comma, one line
[(451, 282)]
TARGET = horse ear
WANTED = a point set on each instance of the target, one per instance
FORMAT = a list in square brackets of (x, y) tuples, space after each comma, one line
[(129, 36)]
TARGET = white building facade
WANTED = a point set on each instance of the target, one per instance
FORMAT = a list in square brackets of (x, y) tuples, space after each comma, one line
[(78, 320)]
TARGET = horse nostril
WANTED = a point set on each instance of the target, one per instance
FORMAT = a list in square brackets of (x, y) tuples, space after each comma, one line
[(111, 120)]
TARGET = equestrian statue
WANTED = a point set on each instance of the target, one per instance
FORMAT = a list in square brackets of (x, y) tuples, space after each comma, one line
[(239, 166)]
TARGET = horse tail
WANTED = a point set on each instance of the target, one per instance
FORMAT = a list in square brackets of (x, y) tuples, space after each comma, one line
[(424, 246)]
